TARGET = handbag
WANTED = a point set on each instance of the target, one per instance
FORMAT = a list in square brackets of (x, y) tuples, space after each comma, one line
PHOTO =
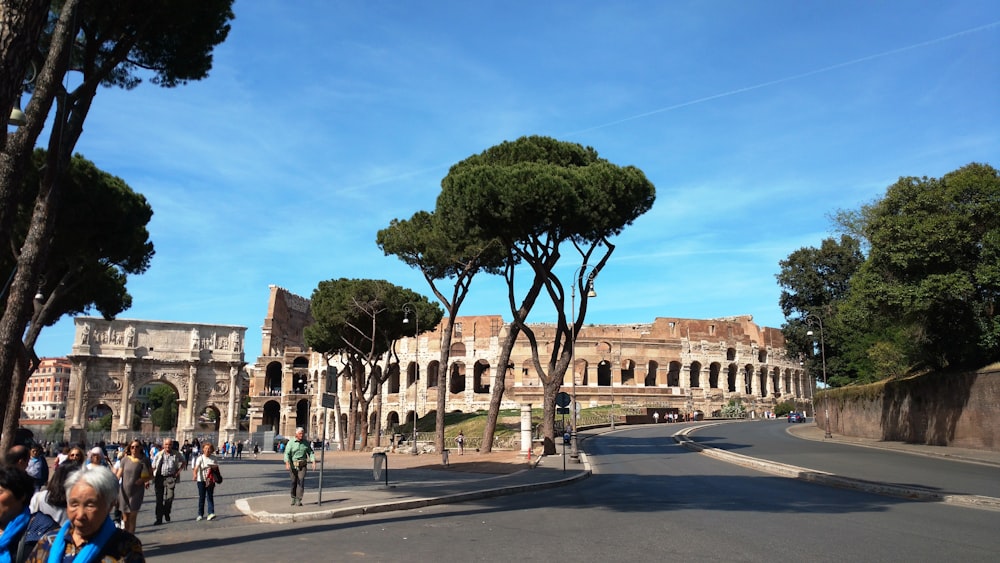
[(214, 475)]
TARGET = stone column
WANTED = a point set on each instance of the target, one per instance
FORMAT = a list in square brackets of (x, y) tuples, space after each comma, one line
[(526, 429), (685, 377), (123, 416), (231, 419), (192, 394)]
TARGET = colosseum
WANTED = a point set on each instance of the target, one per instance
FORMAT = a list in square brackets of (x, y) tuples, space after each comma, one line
[(673, 365)]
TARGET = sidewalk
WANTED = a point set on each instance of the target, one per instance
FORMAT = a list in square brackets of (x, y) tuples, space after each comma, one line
[(809, 431), (414, 482)]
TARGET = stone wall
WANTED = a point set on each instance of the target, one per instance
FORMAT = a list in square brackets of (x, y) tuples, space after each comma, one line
[(940, 409)]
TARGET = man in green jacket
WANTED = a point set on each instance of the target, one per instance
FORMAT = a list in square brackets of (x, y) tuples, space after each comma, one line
[(297, 453)]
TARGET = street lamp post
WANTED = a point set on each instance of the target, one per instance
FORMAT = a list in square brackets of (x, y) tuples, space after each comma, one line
[(572, 351), (621, 370), (816, 320), (407, 309)]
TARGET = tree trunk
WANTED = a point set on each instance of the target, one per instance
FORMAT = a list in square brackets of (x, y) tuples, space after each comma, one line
[(442, 385)]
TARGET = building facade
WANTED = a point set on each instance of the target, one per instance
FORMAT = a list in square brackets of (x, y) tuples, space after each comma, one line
[(45, 394), (677, 365)]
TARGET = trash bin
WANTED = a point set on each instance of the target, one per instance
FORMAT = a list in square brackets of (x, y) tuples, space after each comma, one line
[(444, 457)]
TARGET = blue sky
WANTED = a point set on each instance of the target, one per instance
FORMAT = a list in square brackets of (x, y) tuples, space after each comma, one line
[(323, 120)]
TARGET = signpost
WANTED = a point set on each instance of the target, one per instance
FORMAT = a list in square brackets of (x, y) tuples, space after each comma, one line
[(328, 401), (562, 403)]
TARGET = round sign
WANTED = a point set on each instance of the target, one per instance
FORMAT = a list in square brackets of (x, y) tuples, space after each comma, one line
[(563, 399)]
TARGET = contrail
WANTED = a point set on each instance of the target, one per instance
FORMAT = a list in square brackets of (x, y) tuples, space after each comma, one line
[(793, 77)]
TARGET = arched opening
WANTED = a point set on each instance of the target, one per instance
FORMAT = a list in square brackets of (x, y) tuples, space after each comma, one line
[(156, 408), (748, 379), (651, 374), (731, 378), (481, 377), (209, 420), (272, 380), (730, 354), (392, 383), (713, 375), (628, 373), (695, 374), (432, 374), (300, 362), (457, 350), (775, 375), (604, 373), (674, 374), (271, 415), (762, 356), (762, 376), (457, 378), (302, 414)]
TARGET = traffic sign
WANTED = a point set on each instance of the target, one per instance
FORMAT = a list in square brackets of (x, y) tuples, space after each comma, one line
[(563, 399), (329, 400), (562, 410)]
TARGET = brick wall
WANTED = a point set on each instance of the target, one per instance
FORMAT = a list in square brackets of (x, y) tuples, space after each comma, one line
[(942, 409)]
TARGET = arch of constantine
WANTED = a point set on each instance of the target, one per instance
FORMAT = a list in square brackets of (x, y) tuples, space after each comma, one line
[(674, 365), (113, 360)]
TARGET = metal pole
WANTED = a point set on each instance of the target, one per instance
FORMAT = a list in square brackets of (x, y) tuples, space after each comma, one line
[(407, 309), (572, 366), (818, 321), (322, 456)]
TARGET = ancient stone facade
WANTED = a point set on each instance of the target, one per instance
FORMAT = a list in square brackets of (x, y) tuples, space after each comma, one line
[(679, 365), (112, 360)]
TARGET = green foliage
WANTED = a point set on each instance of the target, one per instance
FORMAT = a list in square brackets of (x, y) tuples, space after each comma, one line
[(163, 406), (54, 431), (94, 247), (783, 408), (364, 318), (926, 294), (105, 422), (733, 409)]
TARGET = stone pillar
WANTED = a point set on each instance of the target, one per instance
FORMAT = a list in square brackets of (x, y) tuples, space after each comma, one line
[(685, 377), (126, 410), (192, 394), (525, 429)]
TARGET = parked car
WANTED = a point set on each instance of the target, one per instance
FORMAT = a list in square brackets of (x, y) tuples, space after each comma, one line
[(796, 417)]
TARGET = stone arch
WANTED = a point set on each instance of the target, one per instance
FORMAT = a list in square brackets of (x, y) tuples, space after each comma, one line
[(433, 370), (628, 373), (775, 382), (695, 371), (209, 420), (731, 377), (272, 379), (457, 350), (651, 372), (481, 376), (713, 375), (604, 374), (271, 415), (456, 382), (762, 356), (392, 382), (730, 354), (762, 380), (580, 374), (674, 374), (748, 379), (140, 396), (392, 421), (300, 362), (302, 413)]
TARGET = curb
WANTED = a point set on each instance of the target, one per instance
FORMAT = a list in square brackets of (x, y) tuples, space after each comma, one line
[(243, 504), (832, 480)]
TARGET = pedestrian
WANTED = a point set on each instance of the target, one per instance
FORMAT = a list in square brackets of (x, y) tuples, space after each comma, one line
[(656, 417), (18, 456), (256, 450), (460, 440), (38, 467), (135, 474), (166, 472), (201, 471), (51, 500), (16, 488), (239, 450), (298, 453), (97, 457), (89, 534)]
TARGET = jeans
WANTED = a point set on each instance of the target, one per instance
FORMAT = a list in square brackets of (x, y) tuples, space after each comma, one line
[(298, 481), (203, 493)]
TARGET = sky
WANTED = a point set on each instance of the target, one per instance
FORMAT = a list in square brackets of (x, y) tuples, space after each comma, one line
[(321, 121)]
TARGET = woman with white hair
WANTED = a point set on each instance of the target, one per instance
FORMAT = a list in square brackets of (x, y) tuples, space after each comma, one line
[(89, 535)]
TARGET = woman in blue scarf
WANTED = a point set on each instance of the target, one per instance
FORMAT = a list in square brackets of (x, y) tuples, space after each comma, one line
[(16, 488), (89, 535)]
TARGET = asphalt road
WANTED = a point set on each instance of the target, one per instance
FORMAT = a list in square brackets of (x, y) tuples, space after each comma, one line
[(770, 440), (649, 500)]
